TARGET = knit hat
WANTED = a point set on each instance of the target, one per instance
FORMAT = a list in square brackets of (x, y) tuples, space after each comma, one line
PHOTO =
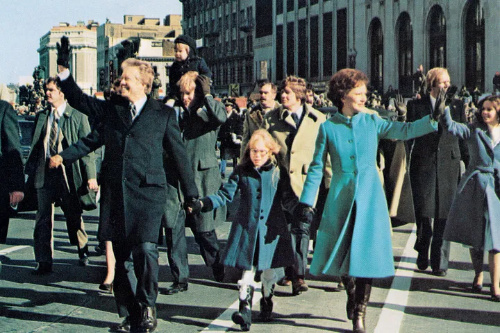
[(185, 39)]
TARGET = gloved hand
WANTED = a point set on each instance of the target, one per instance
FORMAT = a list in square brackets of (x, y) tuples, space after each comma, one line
[(304, 212), (400, 105), (63, 51), (193, 205), (204, 83), (440, 105)]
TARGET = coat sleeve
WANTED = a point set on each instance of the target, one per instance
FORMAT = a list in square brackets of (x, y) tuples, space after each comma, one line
[(10, 156), (226, 193), (172, 143), (457, 129), (83, 147), (404, 131), (215, 110), (246, 134), (315, 171), (88, 161)]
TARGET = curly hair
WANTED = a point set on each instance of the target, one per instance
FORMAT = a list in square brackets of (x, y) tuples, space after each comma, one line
[(342, 82), (146, 72), (297, 85)]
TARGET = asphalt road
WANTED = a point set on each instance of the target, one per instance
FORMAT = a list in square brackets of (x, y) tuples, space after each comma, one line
[(69, 300)]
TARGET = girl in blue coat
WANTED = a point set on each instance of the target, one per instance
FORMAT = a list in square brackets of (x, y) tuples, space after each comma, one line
[(259, 240), (474, 217), (354, 236)]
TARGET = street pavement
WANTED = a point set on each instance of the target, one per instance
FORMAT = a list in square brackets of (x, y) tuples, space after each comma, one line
[(69, 300)]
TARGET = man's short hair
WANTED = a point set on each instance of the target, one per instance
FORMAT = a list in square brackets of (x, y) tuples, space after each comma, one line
[(146, 72), (433, 75), (263, 82), (55, 80), (297, 85)]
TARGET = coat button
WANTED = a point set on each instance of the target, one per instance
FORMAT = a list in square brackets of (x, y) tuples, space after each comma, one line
[(261, 217), (350, 141), (352, 157), (291, 171), (258, 197)]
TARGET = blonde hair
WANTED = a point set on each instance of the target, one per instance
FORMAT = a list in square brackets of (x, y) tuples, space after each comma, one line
[(187, 82), (269, 142), (146, 72), (433, 75)]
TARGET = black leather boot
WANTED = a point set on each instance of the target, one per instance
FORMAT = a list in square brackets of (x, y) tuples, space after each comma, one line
[(362, 296), (266, 306), (243, 317), (349, 289)]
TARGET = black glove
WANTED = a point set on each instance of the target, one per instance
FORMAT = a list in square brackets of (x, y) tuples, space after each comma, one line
[(194, 203), (207, 204), (63, 51), (304, 213), (440, 105), (203, 84), (400, 105)]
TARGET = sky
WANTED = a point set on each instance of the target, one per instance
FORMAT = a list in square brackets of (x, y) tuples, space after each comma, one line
[(23, 22)]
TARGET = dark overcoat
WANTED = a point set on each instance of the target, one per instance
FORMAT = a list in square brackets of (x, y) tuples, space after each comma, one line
[(228, 148), (11, 165), (259, 229), (73, 126), (199, 134), (435, 162), (133, 161), (478, 191)]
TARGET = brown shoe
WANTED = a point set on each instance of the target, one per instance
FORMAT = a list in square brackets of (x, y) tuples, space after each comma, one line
[(284, 282), (299, 286)]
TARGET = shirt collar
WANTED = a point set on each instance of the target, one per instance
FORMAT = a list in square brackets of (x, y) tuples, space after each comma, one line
[(140, 104), (60, 110)]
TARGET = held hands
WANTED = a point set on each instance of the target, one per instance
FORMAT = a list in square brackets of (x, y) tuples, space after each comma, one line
[(92, 183), (55, 161), (304, 213), (16, 197), (63, 51), (193, 205), (440, 105)]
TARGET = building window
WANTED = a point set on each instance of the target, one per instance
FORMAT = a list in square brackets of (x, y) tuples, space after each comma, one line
[(341, 39), (314, 47), (302, 49), (376, 54), (405, 56), (279, 7), (327, 44), (289, 5), (302, 3), (290, 48), (474, 46), (437, 37), (279, 53), (263, 18)]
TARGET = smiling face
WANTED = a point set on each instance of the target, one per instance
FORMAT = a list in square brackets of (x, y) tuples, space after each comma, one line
[(354, 101), (259, 153), (131, 86), (442, 82), (489, 113)]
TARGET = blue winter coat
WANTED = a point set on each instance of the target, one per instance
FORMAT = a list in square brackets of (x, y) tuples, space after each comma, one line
[(354, 237), (478, 190), (259, 224)]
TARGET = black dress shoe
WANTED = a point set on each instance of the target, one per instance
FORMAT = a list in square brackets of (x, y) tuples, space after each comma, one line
[(148, 322), (108, 287), (439, 272), (176, 288), (83, 254), (219, 273), (43, 268), (123, 327), (422, 262)]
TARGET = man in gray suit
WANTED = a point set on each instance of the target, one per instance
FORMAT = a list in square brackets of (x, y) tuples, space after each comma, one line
[(56, 128)]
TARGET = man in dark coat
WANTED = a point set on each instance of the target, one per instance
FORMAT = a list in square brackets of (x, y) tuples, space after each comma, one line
[(434, 175), (11, 166), (230, 135), (56, 128), (200, 117), (135, 137)]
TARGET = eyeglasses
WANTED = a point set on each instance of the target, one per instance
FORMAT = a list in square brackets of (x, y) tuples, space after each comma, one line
[(258, 151)]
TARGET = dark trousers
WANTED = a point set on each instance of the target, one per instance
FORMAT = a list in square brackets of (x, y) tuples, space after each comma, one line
[(300, 243), (440, 249), (136, 277), (4, 216), (177, 253), (51, 192), (209, 247)]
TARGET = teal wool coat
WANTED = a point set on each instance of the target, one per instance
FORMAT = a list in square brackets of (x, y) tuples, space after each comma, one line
[(259, 229), (354, 236)]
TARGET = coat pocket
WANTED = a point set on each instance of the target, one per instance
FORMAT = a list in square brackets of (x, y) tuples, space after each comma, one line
[(208, 162), (156, 179)]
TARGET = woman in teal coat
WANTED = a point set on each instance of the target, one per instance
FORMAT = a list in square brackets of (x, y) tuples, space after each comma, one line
[(354, 236)]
